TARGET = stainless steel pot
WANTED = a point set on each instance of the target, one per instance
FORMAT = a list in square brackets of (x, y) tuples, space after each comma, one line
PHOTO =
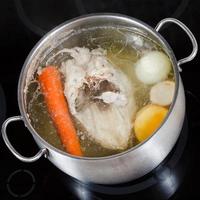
[(132, 163)]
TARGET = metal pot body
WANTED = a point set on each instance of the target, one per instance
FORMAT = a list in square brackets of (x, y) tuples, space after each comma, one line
[(133, 163)]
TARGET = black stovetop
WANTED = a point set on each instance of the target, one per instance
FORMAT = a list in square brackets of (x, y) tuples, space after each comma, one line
[(23, 23)]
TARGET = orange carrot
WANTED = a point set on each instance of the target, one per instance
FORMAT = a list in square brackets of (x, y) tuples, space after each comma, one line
[(51, 86)]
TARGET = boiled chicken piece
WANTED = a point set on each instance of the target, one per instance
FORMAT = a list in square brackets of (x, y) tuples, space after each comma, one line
[(100, 97)]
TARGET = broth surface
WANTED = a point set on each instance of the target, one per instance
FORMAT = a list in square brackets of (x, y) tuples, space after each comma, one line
[(124, 47)]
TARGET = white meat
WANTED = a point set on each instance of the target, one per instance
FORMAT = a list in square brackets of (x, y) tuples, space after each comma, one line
[(106, 111)]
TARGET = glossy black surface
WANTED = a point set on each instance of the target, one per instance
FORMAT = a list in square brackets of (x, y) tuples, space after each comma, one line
[(22, 24)]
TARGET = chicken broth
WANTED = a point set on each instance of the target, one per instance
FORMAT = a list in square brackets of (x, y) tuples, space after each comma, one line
[(120, 49)]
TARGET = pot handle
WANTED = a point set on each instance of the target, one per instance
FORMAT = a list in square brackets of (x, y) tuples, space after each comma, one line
[(12, 149), (188, 32)]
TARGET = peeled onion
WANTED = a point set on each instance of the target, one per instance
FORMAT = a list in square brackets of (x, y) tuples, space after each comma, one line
[(153, 67)]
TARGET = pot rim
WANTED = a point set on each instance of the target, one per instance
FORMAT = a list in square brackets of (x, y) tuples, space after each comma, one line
[(150, 29)]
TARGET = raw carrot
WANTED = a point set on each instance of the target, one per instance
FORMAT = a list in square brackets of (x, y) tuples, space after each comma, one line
[(51, 86)]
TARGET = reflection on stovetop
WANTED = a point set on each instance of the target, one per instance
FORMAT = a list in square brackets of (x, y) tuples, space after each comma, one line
[(41, 20)]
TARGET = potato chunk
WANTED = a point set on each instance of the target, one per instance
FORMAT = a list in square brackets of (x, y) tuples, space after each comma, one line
[(162, 93), (148, 119)]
